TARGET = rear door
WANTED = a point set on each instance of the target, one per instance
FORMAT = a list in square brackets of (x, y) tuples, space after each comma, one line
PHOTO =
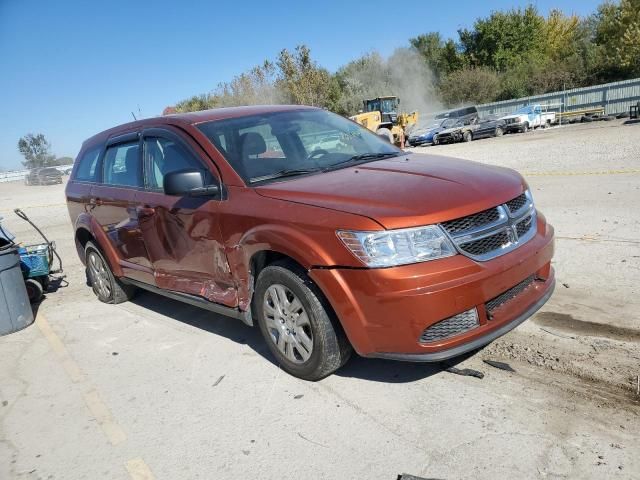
[(113, 204), (182, 234)]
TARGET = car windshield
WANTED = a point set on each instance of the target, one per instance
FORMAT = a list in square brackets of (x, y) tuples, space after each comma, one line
[(283, 144), (448, 123)]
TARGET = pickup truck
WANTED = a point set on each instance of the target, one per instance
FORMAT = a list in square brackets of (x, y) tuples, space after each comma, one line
[(531, 116)]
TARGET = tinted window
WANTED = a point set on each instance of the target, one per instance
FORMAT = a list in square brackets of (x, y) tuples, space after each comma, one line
[(162, 156), (122, 165), (87, 166)]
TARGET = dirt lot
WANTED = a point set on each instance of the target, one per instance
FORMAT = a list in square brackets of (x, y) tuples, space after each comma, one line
[(157, 389)]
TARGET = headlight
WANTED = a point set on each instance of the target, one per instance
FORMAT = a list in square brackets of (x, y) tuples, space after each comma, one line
[(387, 248)]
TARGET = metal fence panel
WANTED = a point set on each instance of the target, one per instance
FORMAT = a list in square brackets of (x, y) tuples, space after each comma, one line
[(614, 97)]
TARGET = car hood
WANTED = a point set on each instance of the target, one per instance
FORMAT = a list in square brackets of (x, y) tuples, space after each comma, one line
[(405, 191), (514, 115), (424, 132)]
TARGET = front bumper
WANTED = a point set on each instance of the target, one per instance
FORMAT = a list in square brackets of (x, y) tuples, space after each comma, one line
[(385, 311), (514, 127)]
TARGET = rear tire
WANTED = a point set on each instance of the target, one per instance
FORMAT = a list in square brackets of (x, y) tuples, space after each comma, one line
[(386, 134), (298, 323), (105, 285)]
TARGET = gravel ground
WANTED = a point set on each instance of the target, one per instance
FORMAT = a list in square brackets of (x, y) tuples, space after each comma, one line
[(157, 389)]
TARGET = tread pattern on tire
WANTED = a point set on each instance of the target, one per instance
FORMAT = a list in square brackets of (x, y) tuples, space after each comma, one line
[(337, 347)]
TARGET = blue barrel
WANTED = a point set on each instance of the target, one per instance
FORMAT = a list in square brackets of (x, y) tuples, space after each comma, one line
[(15, 309)]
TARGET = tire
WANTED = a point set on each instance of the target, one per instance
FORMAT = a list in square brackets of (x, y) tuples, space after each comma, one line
[(289, 306), (467, 136), (35, 290), (105, 285), (525, 127), (386, 134), (435, 141), (499, 132), (623, 115)]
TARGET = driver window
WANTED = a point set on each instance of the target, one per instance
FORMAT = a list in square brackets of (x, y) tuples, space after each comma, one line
[(162, 156)]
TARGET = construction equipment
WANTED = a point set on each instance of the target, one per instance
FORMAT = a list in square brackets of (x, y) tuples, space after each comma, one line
[(380, 115)]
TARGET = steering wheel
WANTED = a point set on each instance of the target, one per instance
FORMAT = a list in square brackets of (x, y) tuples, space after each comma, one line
[(317, 153)]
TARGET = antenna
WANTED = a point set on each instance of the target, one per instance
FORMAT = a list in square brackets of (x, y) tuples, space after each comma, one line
[(134, 117)]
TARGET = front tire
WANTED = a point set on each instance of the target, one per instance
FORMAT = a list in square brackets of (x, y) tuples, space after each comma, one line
[(298, 323), (386, 134), (105, 285), (499, 132), (525, 127), (467, 136)]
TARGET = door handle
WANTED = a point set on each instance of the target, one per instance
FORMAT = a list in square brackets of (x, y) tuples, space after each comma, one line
[(145, 211)]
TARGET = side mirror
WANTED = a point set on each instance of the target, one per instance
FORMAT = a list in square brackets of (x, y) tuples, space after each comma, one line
[(188, 183)]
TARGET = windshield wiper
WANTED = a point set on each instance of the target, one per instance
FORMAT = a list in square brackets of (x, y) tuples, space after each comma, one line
[(364, 157), (287, 172)]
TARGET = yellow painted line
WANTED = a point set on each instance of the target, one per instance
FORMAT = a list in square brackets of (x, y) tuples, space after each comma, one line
[(139, 470), (601, 172), (101, 413), (96, 406), (69, 365)]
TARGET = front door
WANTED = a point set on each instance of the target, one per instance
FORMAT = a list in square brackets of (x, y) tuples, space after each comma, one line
[(182, 234)]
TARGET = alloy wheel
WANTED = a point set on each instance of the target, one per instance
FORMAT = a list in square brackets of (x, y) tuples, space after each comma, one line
[(288, 323), (99, 275)]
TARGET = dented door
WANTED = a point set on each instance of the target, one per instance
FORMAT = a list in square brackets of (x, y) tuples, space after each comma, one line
[(182, 234)]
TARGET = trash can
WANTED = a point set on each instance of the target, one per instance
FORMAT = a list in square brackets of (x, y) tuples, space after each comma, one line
[(15, 309)]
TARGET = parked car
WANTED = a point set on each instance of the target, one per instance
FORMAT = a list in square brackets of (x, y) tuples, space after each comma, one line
[(424, 136), (465, 114), (458, 132), (525, 118), (43, 176), (353, 246), (488, 127)]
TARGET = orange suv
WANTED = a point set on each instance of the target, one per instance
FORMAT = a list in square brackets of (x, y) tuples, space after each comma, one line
[(303, 222)]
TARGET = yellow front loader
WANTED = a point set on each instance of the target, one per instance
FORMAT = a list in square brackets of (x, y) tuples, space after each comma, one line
[(381, 116)]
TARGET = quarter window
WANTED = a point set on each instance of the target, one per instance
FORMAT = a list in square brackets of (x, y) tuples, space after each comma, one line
[(122, 165), (87, 165), (162, 156)]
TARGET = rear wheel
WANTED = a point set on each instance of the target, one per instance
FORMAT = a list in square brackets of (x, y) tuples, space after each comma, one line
[(386, 134), (297, 322), (106, 286), (35, 290)]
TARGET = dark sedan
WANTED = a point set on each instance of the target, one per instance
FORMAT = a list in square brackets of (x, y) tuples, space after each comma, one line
[(473, 130), (43, 176)]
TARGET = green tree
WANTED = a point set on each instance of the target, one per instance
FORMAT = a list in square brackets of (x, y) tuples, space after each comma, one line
[(442, 57), (617, 32), (470, 85), (36, 150), (302, 81), (504, 38)]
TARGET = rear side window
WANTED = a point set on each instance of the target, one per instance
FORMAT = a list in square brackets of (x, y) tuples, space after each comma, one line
[(87, 165), (162, 156), (122, 165)]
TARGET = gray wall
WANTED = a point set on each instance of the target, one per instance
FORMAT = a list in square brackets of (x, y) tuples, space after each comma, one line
[(615, 97)]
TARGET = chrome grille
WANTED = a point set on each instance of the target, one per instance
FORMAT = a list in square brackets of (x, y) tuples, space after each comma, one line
[(517, 203), (487, 244), (451, 326), (460, 225), (495, 231), (510, 294)]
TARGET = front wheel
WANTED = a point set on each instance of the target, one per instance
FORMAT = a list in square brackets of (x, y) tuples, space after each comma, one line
[(297, 322), (386, 134), (499, 132), (467, 136), (525, 128)]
